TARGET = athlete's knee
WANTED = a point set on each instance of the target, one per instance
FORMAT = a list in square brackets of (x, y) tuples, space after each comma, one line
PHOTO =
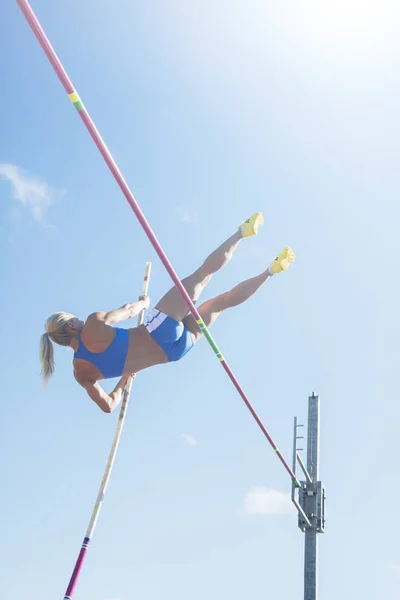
[(195, 284), (222, 302), (214, 306), (189, 284), (233, 298)]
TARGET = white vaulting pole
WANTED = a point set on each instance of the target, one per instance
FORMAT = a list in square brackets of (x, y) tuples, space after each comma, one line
[(110, 463)]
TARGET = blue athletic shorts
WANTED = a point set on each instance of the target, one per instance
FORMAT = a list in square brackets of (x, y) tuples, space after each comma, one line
[(172, 336)]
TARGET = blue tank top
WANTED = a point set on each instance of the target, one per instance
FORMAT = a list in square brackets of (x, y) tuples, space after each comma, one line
[(110, 362)]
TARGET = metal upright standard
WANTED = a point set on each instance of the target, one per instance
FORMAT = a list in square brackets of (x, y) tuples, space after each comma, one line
[(309, 499)]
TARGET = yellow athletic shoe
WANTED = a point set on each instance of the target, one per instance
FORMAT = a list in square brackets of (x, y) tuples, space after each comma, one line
[(282, 261), (250, 227)]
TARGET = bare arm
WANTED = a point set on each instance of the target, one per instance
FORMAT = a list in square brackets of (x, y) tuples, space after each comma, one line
[(107, 402), (127, 311)]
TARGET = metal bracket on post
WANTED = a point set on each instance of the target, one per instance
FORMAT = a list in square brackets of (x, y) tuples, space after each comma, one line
[(296, 492), (320, 507)]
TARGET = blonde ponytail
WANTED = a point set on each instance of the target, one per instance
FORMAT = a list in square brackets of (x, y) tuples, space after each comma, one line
[(56, 331), (46, 357)]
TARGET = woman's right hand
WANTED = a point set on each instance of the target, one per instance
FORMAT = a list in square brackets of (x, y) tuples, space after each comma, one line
[(146, 301)]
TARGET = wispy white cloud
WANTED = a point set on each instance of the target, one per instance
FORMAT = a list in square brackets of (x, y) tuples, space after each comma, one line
[(187, 215), (32, 194), (189, 439), (267, 501)]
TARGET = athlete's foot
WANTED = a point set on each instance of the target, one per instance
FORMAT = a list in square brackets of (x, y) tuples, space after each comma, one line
[(250, 227), (282, 261)]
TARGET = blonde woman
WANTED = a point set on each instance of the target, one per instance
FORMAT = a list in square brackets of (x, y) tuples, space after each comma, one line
[(168, 333)]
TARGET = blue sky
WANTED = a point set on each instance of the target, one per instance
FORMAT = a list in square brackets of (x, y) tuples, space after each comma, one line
[(212, 111)]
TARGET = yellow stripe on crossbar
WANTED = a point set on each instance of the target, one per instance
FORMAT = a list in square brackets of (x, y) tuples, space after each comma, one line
[(74, 97)]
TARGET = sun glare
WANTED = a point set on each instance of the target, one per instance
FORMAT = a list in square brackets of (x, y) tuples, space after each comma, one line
[(350, 25)]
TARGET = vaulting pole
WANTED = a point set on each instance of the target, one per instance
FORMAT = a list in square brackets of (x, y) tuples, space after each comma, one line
[(109, 466)]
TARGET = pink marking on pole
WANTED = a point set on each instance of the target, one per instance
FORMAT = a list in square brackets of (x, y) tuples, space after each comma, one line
[(96, 137), (76, 571)]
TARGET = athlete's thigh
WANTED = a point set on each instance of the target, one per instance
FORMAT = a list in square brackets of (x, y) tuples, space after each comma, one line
[(173, 305)]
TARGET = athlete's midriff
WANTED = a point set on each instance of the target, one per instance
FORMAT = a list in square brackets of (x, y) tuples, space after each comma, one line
[(143, 351)]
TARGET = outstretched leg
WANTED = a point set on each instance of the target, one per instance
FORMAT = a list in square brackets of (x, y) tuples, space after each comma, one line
[(173, 305), (211, 309)]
